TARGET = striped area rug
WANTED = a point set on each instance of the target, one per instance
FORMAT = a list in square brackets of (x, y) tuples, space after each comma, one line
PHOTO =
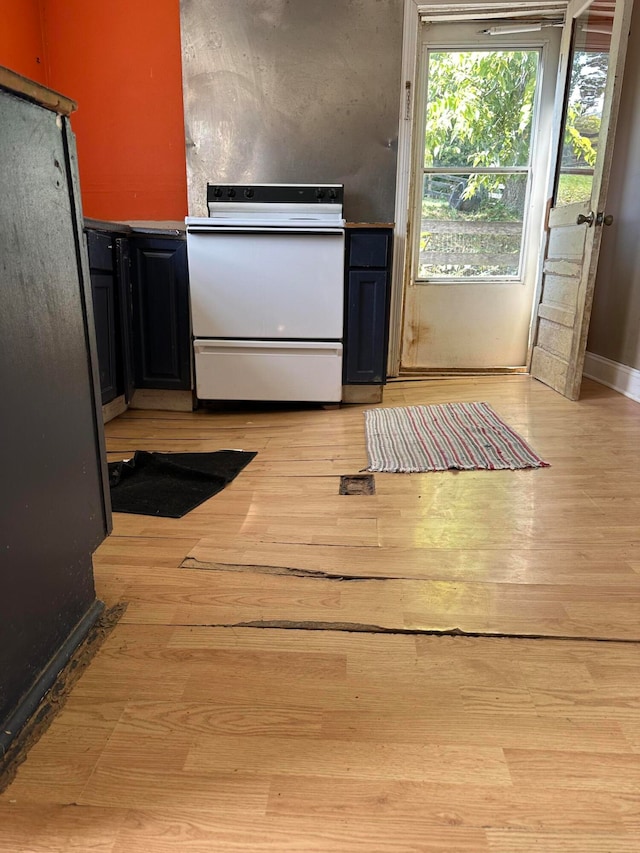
[(463, 436)]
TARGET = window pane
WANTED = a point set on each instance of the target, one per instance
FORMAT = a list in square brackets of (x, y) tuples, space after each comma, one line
[(480, 107), (471, 225), (584, 101)]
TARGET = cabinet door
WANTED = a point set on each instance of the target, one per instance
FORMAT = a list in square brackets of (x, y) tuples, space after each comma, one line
[(103, 290), (125, 317), (365, 344), (161, 323)]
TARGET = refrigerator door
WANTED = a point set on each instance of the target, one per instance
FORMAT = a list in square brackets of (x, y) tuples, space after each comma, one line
[(258, 370)]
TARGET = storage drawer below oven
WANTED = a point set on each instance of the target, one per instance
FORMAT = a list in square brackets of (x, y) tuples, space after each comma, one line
[(306, 371)]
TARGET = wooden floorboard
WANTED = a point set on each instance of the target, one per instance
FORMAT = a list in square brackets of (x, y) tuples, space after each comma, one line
[(313, 730)]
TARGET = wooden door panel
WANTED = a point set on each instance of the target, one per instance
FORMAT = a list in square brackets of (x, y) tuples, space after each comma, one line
[(560, 289), (557, 314), (569, 270), (566, 243), (555, 338)]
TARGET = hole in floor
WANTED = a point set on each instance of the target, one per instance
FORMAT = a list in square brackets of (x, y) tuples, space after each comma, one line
[(357, 484)]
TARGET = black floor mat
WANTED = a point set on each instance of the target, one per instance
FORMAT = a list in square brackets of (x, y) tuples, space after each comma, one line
[(172, 484)]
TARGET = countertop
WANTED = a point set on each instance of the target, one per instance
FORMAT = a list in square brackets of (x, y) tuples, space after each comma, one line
[(177, 228), (369, 225), (47, 98), (161, 228)]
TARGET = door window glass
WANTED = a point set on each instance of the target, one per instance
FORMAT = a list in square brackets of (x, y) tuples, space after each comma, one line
[(583, 105), (480, 115)]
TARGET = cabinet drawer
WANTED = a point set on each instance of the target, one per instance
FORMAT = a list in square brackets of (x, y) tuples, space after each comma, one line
[(369, 249), (100, 247)]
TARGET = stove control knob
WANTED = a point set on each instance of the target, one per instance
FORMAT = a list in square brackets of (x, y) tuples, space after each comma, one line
[(231, 193), (319, 193), (248, 193), (333, 194), (217, 191)]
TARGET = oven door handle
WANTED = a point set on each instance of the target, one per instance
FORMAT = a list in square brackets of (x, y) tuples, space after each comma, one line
[(276, 231)]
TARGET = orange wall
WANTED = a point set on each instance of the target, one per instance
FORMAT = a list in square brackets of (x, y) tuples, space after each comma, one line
[(21, 45), (121, 61)]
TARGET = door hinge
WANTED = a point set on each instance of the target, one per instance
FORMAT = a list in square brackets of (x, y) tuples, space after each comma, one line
[(407, 100)]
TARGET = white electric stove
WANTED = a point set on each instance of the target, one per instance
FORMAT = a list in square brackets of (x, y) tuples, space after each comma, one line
[(266, 272)]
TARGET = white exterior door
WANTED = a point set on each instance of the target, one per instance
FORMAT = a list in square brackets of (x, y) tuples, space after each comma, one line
[(480, 173)]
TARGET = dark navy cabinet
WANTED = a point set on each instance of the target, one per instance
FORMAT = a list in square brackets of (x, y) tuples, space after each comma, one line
[(161, 319), (111, 292), (103, 290), (368, 260)]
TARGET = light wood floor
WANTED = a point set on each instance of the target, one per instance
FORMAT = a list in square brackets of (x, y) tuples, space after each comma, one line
[(192, 732)]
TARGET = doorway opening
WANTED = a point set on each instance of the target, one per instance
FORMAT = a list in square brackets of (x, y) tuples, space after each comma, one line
[(482, 123)]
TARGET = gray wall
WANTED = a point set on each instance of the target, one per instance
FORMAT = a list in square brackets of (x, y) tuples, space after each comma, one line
[(303, 91), (615, 322)]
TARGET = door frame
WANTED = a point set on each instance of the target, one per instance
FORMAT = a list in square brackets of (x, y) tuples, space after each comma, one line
[(414, 11)]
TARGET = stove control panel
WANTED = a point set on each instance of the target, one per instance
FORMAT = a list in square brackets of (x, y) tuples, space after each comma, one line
[(276, 193)]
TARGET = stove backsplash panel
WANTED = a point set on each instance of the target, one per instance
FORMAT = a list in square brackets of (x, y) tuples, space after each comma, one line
[(293, 91)]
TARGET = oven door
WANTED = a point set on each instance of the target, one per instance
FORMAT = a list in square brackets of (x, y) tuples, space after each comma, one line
[(266, 283)]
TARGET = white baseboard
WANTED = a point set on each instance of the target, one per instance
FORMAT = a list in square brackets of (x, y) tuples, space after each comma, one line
[(621, 378)]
